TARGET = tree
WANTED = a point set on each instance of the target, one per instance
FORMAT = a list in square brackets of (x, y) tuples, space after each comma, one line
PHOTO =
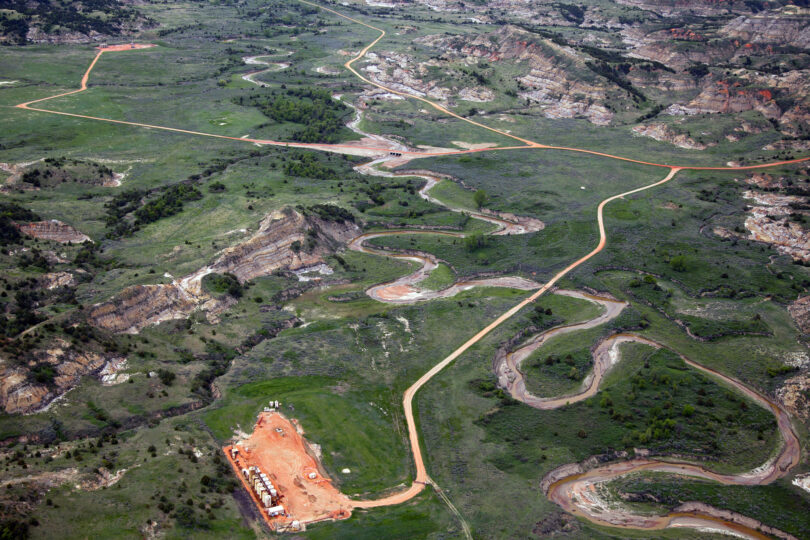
[(678, 263), (480, 198), (166, 376), (475, 241)]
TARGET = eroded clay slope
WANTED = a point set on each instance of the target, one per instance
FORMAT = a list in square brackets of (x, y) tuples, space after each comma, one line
[(20, 392), (285, 240), (53, 230), (549, 81)]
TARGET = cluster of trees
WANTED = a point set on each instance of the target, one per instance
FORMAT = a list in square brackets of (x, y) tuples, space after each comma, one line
[(168, 203), (330, 212), (61, 169), (9, 213), (313, 108), (25, 315), (480, 197), (117, 209), (616, 77), (571, 12), (102, 16), (307, 165), (476, 241), (14, 30), (219, 358), (223, 283)]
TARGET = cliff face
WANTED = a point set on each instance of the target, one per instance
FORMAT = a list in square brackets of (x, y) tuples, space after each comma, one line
[(750, 91), (53, 230), (549, 81), (20, 393), (140, 306), (721, 96), (271, 248), (771, 219), (17, 393), (773, 27), (401, 72)]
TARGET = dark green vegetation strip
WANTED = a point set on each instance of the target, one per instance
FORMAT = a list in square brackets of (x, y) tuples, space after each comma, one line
[(323, 118)]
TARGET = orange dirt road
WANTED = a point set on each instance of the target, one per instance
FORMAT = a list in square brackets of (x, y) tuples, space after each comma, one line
[(577, 493), (421, 473)]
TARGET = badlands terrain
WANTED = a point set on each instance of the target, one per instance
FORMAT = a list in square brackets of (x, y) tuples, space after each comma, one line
[(437, 269)]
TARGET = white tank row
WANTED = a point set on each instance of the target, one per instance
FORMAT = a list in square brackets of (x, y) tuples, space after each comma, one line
[(265, 490)]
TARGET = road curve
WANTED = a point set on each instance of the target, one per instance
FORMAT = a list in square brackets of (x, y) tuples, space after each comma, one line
[(271, 67), (577, 492), (507, 364), (422, 477), (405, 290)]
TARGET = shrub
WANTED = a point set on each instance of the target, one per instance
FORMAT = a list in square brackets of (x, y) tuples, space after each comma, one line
[(166, 377), (223, 283)]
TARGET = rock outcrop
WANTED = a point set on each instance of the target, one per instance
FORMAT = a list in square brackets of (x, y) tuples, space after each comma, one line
[(53, 230), (550, 80), (789, 238), (800, 312), (793, 395), (720, 96), (772, 27), (664, 133), (401, 72), (673, 8), (286, 240), (771, 219), (140, 306), (57, 279), (21, 393), (785, 98), (17, 393)]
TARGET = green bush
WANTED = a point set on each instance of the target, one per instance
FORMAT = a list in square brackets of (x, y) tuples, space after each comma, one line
[(222, 283)]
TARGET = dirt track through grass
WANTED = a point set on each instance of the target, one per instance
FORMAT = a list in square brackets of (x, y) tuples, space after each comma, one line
[(422, 477)]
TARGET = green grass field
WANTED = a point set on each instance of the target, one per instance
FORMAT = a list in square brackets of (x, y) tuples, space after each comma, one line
[(339, 361)]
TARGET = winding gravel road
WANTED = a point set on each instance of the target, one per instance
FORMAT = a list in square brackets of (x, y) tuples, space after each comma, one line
[(565, 490), (577, 490)]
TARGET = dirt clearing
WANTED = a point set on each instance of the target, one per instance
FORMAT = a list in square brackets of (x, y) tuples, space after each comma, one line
[(280, 451)]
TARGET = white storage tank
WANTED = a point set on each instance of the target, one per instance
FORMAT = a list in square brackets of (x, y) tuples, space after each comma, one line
[(275, 510)]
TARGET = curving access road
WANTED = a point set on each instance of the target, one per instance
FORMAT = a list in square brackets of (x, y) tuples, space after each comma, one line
[(577, 490), (558, 492)]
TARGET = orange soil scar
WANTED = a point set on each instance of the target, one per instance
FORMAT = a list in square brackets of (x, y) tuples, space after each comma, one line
[(125, 47), (281, 452), (396, 292)]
